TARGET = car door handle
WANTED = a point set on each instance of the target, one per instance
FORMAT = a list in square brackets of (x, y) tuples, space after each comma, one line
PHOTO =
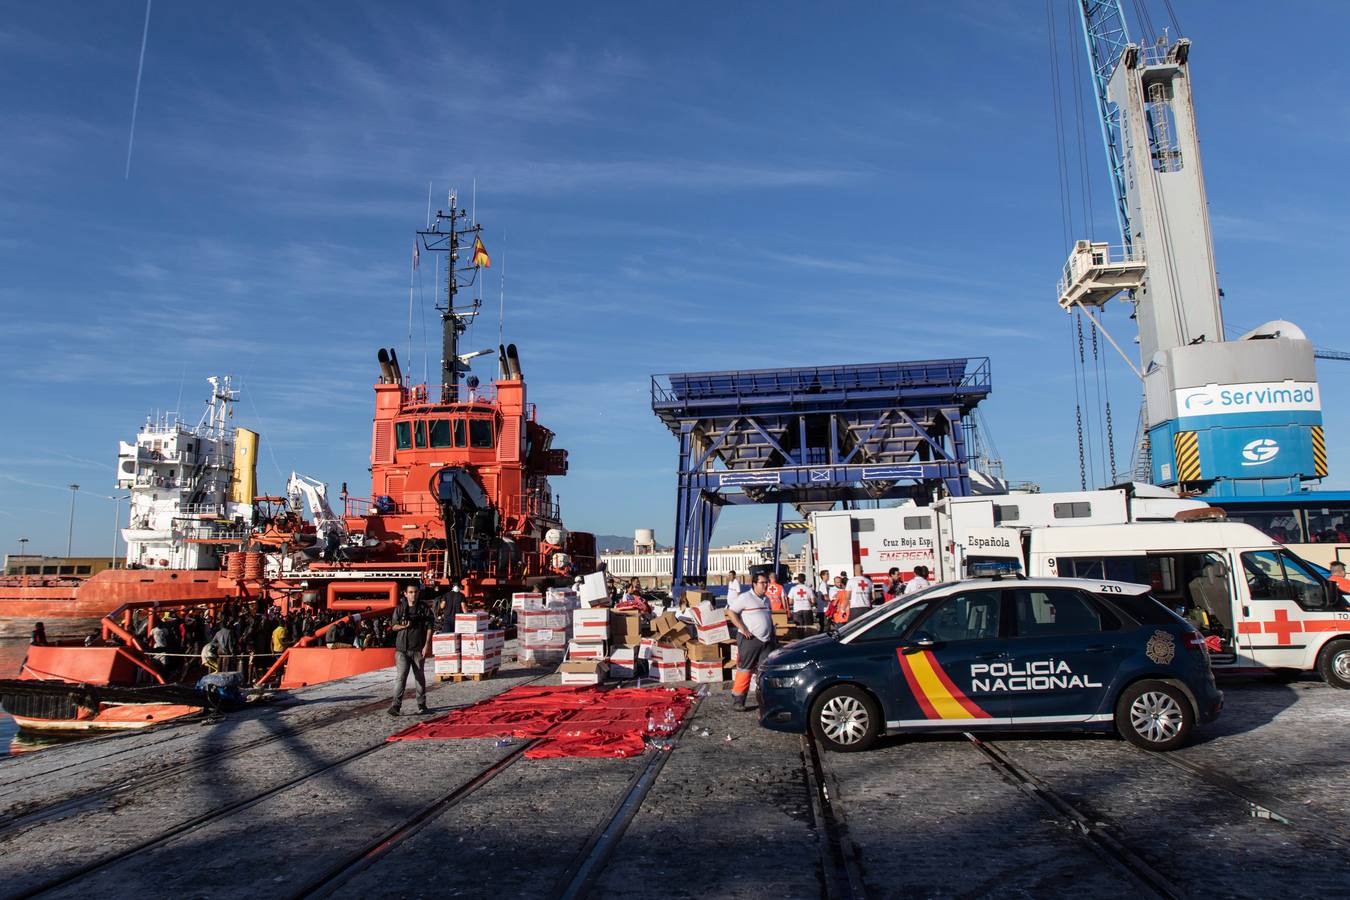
[(1100, 648), (993, 654)]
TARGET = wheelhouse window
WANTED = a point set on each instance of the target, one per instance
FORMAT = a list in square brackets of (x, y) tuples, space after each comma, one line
[(461, 434), (403, 435), (480, 433), (420, 433), (438, 431)]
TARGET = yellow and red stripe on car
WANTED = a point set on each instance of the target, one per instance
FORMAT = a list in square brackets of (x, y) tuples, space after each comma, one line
[(937, 695)]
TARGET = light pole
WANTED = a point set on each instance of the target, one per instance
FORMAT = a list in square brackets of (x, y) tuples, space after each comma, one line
[(70, 532), (117, 515), (23, 546)]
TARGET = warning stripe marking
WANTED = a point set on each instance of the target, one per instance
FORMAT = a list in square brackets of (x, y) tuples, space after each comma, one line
[(1186, 445), (1319, 445)]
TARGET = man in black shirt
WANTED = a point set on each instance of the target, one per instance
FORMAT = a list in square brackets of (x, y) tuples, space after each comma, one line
[(411, 627)]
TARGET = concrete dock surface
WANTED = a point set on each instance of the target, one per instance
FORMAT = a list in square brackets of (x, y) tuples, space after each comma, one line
[(304, 797)]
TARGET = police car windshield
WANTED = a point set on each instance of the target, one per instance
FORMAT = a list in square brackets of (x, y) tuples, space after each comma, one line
[(884, 609)]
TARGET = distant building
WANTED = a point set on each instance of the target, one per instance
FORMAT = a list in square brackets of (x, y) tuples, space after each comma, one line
[(56, 566)]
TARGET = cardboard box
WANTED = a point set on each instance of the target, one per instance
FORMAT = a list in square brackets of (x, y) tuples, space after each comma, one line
[(706, 671), (625, 626), (593, 588), (583, 671), (471, 623), (483, 642), (480, 666), (663, 652), (646, 648), (713, 627), (549, 618), (557, 598), (529, 600), (664, 624), (622, 662), (668, 672), (541, 637), (541, 656), (445, 644), (446, 666), (704, 652), (586, 650), (590, 624), (694, 598)]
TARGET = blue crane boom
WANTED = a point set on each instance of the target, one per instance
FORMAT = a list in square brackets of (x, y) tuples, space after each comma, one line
[(1106, 36)]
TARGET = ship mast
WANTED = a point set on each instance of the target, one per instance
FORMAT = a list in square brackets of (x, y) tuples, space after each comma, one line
[(445, 236)]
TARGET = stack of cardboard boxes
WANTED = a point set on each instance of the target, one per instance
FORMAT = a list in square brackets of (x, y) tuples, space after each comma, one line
[(544, 625), (587, 657), (445, 655), (480, 646)]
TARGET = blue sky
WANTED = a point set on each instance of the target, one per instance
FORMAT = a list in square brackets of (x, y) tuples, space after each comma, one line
[(721, 186)]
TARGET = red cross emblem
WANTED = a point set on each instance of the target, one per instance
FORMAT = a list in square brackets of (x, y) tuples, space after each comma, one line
[(1282, 627)]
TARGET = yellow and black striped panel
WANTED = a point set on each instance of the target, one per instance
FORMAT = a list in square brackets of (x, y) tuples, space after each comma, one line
[(1187, 447), (1319, 443)]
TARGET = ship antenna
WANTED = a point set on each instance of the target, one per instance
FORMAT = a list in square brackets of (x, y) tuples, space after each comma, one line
[(444, 235), (501, 303)]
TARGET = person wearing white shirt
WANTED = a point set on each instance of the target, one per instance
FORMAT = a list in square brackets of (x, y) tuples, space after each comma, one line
[(753, 620), (733, 586), (919, 581), (859, 589), (803, 601)]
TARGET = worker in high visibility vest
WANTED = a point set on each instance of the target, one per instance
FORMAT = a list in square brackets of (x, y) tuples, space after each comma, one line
[(777, 598), (838, 610)]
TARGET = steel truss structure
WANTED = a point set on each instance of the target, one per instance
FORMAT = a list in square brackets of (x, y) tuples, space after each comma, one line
[(811, 437)]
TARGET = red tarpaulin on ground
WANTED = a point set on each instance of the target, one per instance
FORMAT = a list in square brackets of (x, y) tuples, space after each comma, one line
[(568, 721)]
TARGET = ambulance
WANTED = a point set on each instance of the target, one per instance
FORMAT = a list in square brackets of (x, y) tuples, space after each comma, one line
[(1260, 607)]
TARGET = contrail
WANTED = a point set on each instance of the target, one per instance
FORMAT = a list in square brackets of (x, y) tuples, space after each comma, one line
[(136, 100)]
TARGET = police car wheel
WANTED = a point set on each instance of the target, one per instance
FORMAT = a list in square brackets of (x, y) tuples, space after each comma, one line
[(1334, 666), (1154, 715), (845, 719)]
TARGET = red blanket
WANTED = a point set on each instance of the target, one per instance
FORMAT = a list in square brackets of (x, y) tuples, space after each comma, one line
[(568, 721)]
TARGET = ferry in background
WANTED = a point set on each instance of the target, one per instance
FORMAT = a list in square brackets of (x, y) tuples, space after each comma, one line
[(191, 498)]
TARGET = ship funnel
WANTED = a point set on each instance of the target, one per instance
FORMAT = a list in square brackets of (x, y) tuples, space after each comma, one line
[(501, 361), (386, 372), (393, 364), (513, 360)]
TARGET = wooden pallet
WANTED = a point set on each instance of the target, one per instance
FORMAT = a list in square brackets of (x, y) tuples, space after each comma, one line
[(460, 676)]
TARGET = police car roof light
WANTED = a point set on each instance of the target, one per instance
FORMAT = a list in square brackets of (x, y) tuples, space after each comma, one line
[(993, 568)]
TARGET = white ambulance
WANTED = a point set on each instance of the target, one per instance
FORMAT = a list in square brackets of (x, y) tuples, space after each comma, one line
[(1260, 607)]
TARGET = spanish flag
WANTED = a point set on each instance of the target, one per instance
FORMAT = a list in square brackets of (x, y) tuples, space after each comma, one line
[(480, 256)]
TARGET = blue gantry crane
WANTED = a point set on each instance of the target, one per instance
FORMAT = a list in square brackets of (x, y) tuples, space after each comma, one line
[(1230, 418), (814, 436)]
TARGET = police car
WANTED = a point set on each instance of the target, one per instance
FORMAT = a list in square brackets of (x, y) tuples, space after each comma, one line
[(1001, 654)]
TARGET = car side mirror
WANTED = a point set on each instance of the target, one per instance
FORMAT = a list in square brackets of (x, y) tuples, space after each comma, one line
[(920, 641)]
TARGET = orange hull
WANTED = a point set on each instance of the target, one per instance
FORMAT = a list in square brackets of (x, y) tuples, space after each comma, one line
[(111, 717), (37, 600), (315, 665)]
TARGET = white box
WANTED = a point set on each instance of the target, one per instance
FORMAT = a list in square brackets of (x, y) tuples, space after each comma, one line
[(446, 665), (471, 623), (706, 671), (667, 654), (667, 672), (541, 639), (541, 656), (622, 662), (646, 648), (593, 588), (712, 626), (586, 650), (527, 600), (590, 624), (445, 644)]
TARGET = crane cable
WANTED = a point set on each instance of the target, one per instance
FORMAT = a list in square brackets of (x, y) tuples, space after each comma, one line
[(1078, 414)]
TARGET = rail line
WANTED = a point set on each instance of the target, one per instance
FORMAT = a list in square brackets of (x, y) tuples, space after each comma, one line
[(1261, 803), (585, 870), (1098, 835), (841, 869), (72, 875)]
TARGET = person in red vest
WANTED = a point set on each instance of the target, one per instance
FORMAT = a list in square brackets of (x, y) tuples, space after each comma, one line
[(777, 599), (1337, 577), (838, 610)]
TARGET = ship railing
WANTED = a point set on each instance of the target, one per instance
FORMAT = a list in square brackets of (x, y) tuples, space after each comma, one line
[(356, 507)]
